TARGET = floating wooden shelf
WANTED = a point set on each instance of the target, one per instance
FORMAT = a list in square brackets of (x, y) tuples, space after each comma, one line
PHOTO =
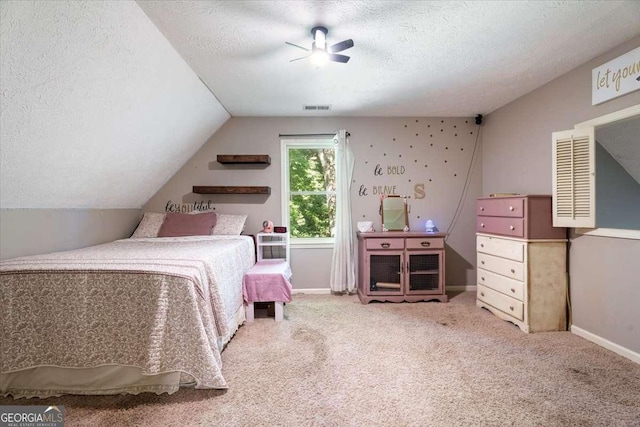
[(204, 189), (262, 159)]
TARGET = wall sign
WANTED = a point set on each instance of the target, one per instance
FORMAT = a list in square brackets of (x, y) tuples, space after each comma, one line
[(615, 78)]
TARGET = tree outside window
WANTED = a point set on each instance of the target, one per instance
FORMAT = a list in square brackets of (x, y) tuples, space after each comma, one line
[(310, 182)]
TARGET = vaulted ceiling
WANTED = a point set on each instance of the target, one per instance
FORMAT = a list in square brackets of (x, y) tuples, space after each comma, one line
[(102, 102), (411, 58)]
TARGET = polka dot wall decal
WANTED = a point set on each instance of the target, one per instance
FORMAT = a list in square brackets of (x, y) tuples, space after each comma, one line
[(415, 161), (432, 143), (366, 163), (371, 146), (471, 133), (455, 174), (399, 155), (441, 121), (364, 216), (429, 179), (411, 146), (462, 149), (445, 161), (441, 130), (431, 137), (416, 121), (446, 148), (416, 134), (405, 125), (466, 121), (418, 216), (385, 154), (428, 126), (394, 139), (454, 126)]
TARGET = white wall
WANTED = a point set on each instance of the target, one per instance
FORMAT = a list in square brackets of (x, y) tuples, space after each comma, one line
[(98, 109), (605, 289), (434, 152)]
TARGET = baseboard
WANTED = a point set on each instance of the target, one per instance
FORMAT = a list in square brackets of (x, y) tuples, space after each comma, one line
[(616, 348), (462, 288), (326, 291), (312, 291)]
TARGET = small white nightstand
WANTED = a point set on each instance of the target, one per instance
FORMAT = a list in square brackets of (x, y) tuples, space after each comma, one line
[(273, 246)]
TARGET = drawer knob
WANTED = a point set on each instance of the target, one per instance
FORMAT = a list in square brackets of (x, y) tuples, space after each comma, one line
[(482, 224), (482, 278), (482, 262), (481, 208), (513, 271), (425, 244), (513, 290), (511, 208), (511, 227), (511, 307), (482, 245), (385, 245), (481, 293)]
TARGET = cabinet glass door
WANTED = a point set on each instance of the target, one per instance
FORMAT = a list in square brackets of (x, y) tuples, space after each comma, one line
[(424, 273), (385, 273)]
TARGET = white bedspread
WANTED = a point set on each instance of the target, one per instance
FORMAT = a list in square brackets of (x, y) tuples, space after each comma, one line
[(161, 305)]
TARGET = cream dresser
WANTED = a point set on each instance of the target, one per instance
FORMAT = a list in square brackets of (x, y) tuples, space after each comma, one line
[(522, 262)]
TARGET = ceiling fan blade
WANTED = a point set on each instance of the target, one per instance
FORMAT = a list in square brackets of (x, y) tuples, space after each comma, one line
[(343, 45), (298, 59), (339, 58), (299, 47)]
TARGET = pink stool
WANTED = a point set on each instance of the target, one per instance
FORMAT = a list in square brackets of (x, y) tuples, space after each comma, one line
[(267, 281)]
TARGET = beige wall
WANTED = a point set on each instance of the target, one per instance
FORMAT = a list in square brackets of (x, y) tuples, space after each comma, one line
[(37, 231), (434, 152), (604, 272)]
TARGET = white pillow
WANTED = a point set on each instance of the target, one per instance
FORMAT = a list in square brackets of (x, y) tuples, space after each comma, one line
[(150, 225), (229, 224)]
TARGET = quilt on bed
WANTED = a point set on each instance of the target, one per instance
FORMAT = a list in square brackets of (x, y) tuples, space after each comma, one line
[(159, 304)]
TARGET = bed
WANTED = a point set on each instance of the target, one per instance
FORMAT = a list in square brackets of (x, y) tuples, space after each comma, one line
[(130, 316)]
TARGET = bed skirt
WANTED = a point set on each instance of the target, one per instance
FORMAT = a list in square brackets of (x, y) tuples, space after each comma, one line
[(53, 381)]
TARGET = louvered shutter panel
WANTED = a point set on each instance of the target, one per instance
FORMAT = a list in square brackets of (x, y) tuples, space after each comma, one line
[(574, 178)]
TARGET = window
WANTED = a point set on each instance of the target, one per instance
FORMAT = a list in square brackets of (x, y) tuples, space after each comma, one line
[(596, 181), (308, 190)]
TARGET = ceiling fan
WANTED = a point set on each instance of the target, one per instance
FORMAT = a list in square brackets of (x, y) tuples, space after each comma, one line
[(320, 52)]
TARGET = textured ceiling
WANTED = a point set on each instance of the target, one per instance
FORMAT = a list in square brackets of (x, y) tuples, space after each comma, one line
[(411, 58), (97, 109)]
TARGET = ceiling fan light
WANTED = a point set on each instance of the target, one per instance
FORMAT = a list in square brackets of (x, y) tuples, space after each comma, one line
[(319, 57), (320, 37)]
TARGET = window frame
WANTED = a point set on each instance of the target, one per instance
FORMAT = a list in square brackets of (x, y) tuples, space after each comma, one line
[(285, 145), (620, 233)]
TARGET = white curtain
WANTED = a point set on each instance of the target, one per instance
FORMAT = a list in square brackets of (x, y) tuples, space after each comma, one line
[(343, 267)]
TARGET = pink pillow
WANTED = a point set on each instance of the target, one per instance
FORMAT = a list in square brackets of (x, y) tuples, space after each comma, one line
[(177, 224)]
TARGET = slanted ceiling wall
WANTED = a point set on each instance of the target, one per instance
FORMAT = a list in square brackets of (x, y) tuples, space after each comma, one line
[(98, 109)]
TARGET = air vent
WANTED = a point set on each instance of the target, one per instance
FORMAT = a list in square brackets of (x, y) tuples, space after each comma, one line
[(316, 107)]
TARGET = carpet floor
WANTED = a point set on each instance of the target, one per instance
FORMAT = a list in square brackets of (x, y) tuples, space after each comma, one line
[(336, 362)]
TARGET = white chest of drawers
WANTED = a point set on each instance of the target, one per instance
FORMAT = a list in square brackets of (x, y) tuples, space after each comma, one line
[(522, 279)]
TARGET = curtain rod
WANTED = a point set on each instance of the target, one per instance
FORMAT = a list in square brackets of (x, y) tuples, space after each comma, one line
[(310, 134)]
